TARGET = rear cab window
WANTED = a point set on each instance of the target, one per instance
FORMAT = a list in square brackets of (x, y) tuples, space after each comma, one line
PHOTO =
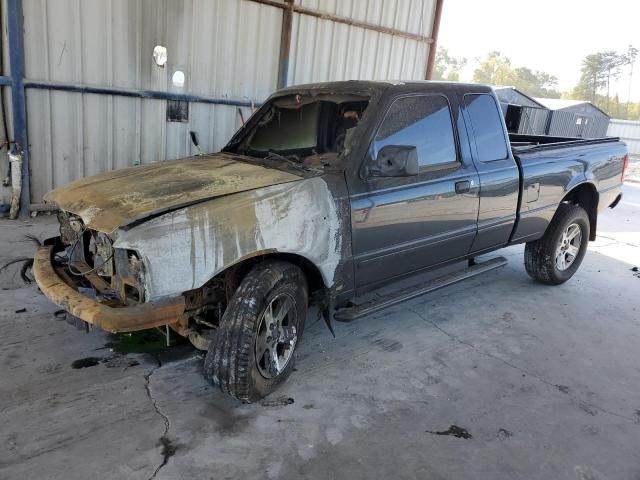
[(423, 121), (486, 122)]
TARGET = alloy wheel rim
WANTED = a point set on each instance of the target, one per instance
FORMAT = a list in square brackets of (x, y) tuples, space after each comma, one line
[(569, 247), (277, 336)]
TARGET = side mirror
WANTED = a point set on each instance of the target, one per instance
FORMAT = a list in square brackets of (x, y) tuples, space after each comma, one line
[(395, 161)]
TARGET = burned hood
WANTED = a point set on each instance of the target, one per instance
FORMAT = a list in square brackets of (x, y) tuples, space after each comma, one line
[(115, 199)]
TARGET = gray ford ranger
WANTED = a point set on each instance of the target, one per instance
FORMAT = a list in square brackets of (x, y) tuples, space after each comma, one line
[(329, 191)]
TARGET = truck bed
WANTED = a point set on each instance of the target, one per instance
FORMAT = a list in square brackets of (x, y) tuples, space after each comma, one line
[(529, 143)]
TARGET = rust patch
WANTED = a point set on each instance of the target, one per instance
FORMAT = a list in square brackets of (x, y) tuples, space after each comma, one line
[(125, 319)]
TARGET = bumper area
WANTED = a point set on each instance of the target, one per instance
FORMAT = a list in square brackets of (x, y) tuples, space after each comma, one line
[(112, 319)]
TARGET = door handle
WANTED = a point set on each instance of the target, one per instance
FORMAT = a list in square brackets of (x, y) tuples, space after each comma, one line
[(463, 187)]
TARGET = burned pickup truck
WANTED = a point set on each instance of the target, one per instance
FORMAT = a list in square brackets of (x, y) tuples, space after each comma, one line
[(328, 192)]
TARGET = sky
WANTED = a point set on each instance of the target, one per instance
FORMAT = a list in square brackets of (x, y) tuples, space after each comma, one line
[(549, 35)]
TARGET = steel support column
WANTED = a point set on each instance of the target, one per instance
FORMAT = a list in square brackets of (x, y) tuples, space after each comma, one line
[(285, 44), (433, 47), (15, 24)]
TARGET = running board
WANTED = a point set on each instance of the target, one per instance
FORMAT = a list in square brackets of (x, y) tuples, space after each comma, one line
[(351, 313)]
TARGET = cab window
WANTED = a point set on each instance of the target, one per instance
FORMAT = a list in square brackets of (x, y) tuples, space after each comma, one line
[(421, 121), (486, 122)]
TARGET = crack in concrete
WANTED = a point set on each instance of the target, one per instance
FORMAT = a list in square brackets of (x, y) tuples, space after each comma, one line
[(562, 388), (167, 449)]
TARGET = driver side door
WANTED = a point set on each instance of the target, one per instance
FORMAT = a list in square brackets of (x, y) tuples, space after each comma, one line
[(403, 224)]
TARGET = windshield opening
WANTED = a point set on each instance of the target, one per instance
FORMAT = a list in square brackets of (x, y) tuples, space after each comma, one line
[(294, 126)]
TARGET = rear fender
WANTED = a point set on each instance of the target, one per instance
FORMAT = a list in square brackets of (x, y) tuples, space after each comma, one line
[(586, 195)]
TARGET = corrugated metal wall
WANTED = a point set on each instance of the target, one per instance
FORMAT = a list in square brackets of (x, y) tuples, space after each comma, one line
[(533, 121), (227, 48), (596, 127), (534, 117), (564, 122), (629, 133), (515, 97), (322, 50), (110, 42)]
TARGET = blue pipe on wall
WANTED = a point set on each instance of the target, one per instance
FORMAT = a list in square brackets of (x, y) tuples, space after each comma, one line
[(127, 92)]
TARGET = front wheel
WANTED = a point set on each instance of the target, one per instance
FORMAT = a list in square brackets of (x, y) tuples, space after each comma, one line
[(253, 350), (554, 258)]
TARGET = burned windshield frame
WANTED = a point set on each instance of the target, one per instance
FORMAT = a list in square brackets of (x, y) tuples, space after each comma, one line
[(337, 116)]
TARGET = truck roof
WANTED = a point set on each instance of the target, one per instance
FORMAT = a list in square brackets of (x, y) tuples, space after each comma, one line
[(355, 86)]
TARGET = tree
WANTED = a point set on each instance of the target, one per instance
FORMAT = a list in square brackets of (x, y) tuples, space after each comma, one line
[(446, 66), (496, 69), (612, 62), (592, 77), (632, 53), (598, 69), (536, 83)]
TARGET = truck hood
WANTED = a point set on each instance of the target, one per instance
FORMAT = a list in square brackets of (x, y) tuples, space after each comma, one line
[(114, 199)]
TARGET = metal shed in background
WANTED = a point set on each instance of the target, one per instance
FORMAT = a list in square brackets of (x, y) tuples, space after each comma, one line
[(522, 113), (86, 95), (575, 118)]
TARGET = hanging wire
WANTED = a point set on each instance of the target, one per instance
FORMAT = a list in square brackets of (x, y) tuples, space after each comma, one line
[(71, 268)]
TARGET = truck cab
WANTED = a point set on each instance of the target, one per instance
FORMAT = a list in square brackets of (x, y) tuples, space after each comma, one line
[(464, 193)]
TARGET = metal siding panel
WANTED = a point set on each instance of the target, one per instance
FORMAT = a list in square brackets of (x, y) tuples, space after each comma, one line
[(399, 14), (40, 150), (603, 127), (629, 133), (110, 42), (344, 52), (125, 147), (511, 95), (533, 121), (600, 126), (563, 124)]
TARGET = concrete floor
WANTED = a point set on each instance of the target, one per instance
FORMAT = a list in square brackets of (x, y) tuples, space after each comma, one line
[(545, 381)]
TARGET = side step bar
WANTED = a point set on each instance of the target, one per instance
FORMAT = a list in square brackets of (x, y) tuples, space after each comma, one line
[(351, 313)]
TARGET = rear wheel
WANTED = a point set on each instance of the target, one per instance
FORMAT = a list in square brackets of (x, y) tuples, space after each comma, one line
[(253, 349), (555, 257)]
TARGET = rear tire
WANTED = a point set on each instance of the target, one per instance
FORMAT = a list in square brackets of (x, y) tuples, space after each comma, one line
[(554, 258), (253, 349)]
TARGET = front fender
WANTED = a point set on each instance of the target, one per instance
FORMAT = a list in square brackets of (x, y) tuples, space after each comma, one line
[(184, 249)]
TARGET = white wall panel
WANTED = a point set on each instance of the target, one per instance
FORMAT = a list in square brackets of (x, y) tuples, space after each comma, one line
[(629, 133), (323, 50)]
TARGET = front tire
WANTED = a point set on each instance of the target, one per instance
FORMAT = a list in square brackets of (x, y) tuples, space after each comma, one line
[(253, 350), (554, 258)]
